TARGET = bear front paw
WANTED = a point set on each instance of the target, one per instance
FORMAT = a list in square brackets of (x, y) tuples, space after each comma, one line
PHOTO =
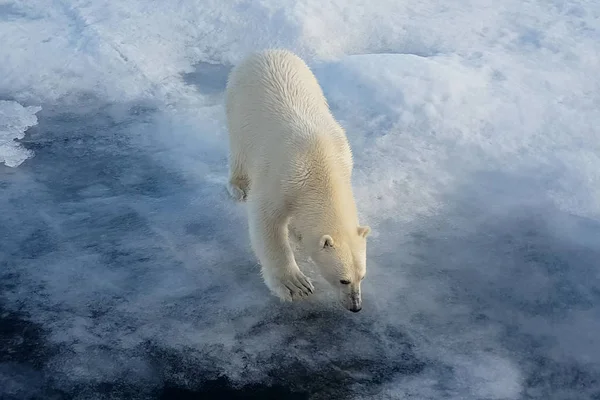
[(290, 286)]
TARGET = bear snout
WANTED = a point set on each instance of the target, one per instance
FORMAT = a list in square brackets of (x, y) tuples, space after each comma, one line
[(354, 303)]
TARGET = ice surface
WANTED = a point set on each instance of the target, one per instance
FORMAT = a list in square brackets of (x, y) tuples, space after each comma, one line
[(125, 269), (14, 120)]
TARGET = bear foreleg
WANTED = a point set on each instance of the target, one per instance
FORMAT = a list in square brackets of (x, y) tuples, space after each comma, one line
[(269, 239)]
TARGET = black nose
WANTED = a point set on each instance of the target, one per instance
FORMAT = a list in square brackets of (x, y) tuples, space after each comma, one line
[(355, 309)]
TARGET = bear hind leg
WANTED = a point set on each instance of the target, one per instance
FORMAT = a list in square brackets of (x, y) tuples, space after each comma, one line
[(238, 188), (238, 182)]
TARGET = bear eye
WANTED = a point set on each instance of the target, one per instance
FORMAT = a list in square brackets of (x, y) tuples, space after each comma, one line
[(344, 282)]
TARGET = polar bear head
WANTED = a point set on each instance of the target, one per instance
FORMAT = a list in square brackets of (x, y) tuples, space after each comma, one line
[(341, 259)]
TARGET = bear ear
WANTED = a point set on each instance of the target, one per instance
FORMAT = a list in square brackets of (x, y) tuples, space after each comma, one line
[(326, 241), (364, 231)]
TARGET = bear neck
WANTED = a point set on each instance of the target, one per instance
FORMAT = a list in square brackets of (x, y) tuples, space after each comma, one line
[(332, 210)]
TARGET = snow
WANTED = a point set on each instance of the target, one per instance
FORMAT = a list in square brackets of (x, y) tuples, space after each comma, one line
[(126, 271), (14, 121)]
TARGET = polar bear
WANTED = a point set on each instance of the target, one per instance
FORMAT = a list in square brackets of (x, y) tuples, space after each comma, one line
[(291, 163)]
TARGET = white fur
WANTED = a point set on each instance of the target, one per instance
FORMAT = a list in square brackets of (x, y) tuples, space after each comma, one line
[(291, 162)]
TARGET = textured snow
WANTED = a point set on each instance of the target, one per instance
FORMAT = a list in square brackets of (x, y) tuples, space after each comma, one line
[(14, 121), (126, 271)]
